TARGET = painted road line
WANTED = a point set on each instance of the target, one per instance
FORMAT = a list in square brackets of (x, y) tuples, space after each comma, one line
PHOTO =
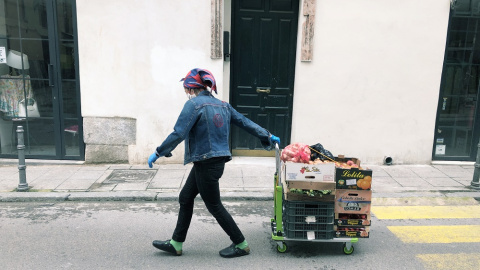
[(450, 261), (437, 234), (426, 212)]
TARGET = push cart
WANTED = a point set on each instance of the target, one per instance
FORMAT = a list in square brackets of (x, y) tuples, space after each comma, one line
[(289, 222)]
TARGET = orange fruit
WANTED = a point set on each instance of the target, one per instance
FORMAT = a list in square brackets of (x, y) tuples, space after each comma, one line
[(360, 183)]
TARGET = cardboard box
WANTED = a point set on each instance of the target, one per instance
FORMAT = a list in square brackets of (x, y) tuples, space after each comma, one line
[(308, 185), (343, 159), (356, 231), (311, 185), (322, 172), (353, 201), (353, 178), (343, 219)]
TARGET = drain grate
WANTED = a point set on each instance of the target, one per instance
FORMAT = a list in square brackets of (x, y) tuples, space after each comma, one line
[(121, 176)]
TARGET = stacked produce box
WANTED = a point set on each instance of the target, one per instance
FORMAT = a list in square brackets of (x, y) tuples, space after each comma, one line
[(353, 198), (323, 200), (309, 200)]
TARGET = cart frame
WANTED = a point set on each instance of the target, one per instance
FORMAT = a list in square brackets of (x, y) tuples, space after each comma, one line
[(278, 234)]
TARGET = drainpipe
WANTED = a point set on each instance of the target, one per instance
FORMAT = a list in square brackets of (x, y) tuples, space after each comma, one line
[(387, 160)]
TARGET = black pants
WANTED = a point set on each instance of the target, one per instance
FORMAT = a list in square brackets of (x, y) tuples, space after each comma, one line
[(203, 179)]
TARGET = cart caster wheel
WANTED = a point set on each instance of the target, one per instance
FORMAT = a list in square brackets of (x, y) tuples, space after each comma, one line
[(346, 250), (282, 248)]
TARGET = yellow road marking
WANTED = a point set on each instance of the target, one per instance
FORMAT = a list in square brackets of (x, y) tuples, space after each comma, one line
[(450, 261), (437, 234), (426, 212)]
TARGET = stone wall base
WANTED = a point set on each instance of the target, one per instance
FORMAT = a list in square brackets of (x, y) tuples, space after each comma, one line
[(106, 153), (107, 138)]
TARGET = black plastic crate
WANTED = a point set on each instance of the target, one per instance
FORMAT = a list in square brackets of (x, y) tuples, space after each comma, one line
[(303, 219), (308, 226), (293, 234), (295, 219), (300, 208)]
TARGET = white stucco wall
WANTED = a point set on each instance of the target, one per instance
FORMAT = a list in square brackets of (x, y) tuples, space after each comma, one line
[(377, 66), (132, 56)]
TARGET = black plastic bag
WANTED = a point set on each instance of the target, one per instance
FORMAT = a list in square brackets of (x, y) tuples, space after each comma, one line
[(318, 152)]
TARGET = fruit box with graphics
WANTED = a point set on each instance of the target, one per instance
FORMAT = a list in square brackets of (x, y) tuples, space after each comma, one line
[(343, 219), (353, 179), (353, 201), (323, 172), (352, 231), (350, 177)]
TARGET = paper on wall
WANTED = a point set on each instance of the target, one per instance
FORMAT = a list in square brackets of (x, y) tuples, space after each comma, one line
[(3, 55)]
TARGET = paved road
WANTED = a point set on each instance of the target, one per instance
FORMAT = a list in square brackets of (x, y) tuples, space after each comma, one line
[(118, 235)]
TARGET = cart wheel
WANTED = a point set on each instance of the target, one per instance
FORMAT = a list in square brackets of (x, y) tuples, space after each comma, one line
[(282, 248), (346, 250)]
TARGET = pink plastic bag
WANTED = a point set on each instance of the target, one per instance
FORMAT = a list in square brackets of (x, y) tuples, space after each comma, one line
[(297, 152)]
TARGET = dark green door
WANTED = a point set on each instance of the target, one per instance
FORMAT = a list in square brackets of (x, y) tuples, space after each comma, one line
[(457, 129), (264, 36)]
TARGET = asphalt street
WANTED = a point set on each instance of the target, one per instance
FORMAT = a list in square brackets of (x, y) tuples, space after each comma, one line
[(84, 216), (118, 235)]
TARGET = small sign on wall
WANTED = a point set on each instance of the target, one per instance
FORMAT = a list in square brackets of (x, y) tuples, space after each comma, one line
[(3, 55), (440, 150)]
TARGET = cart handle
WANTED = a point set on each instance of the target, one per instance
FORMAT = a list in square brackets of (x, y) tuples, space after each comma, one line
[(277, 159)]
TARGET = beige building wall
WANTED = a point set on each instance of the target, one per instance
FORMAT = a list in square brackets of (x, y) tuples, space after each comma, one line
[(132, 57), (371, 89)]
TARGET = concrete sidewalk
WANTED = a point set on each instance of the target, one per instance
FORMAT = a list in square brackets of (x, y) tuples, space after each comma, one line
[(246, 178)]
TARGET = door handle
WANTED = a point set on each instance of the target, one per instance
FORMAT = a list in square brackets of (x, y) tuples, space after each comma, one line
[(226, 46), (260, 90)]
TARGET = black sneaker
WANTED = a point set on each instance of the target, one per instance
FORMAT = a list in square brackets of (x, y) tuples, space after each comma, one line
[(232, 251), (166, 246)]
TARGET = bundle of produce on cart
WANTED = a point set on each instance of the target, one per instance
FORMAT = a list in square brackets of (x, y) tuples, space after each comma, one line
[(309, 191), (297, 152), (309, 185)]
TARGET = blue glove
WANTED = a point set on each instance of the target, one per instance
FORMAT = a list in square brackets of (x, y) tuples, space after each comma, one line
[(151, 159), (274, 139)]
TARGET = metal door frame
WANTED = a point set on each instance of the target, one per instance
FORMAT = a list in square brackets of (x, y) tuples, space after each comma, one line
[(55, 82), (476, 126)]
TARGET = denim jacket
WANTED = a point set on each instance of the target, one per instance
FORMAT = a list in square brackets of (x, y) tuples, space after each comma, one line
[(204, 124)]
